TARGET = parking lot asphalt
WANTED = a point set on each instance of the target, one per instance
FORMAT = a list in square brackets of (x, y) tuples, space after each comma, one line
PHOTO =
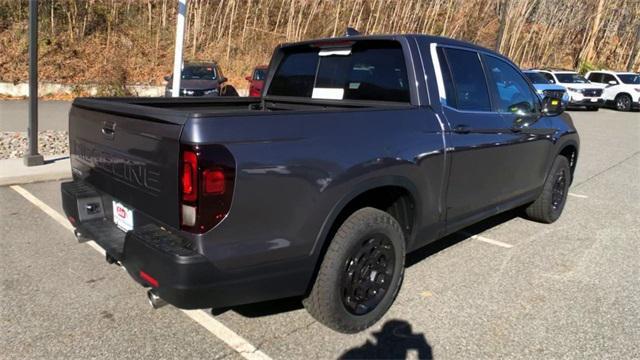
[(52, 115), (507, 287)]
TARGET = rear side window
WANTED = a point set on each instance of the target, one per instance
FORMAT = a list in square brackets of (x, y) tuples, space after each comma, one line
[(469, 84), (368, 70), (446, 78)]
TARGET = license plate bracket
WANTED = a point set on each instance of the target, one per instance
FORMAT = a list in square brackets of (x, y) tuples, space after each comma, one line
[(122, 216)]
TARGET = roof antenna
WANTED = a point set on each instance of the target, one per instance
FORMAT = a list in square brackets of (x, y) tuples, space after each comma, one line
[(351, 32)]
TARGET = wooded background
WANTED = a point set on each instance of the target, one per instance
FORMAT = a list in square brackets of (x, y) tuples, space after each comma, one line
[(117, 42)]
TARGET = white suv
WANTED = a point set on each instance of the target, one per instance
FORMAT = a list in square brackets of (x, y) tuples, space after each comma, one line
[(581, 91), (622, 89)]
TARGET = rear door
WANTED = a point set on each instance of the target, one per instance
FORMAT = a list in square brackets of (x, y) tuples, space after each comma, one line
[(132, 158), (480, 168)]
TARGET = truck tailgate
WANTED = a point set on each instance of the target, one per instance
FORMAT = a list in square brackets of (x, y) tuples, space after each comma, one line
[(132, 158)]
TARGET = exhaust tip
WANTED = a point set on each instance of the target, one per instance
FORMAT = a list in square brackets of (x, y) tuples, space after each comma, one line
[(154, 299)]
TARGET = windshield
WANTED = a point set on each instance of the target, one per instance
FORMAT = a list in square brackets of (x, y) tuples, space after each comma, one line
[(630, 78), (571, 78), (199, 72), (536, 78), (259, 74)]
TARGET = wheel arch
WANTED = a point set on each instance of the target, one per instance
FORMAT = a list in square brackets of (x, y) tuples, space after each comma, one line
[(623, 93), (398, 192), (569, 149)]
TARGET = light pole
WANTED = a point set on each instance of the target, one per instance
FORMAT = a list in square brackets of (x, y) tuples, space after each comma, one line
[(33, 158), (177, 58)]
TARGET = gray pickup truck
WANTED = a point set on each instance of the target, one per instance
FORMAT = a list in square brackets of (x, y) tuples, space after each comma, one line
[(360, 150)]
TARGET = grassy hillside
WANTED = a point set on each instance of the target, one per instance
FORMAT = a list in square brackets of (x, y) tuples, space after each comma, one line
[(113, 42)]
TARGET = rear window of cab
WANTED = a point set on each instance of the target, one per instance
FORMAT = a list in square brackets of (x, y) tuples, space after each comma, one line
[(363, 70)]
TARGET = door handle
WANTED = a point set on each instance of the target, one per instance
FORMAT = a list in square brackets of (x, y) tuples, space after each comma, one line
[(462, 129), (516, 129), (108, 129)]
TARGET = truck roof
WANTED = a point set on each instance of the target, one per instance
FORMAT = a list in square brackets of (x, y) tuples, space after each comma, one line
[(428, 38)]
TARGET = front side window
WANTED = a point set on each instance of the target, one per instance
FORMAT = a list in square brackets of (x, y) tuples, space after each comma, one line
[(595, 77), (467, 77), (511, 89), (549, 77), (606, 78), (571, 78), (536, 78)]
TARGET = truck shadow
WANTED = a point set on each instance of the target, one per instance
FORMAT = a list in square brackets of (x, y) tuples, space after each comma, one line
[(394, 341), (291, 304), (464, 234)]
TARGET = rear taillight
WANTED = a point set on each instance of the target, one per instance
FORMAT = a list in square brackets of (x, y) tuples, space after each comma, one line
[(213, 182), (189, 176), (207, 178)]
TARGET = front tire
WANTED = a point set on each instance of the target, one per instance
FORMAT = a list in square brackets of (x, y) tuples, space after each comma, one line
[(549, 205), (623, 102), (360, 274), (228, 90)]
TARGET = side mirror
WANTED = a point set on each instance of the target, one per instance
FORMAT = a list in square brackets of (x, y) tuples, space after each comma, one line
[(552, 106), (167, 78), (248, 78), (613, 82), (223, 80)]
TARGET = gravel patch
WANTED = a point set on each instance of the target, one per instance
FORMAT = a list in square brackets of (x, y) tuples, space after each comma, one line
[(14, 144)]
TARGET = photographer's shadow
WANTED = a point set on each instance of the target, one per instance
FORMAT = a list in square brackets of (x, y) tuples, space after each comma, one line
[(393, 341)]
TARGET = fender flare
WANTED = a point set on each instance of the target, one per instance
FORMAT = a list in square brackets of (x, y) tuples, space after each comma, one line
[(359, 189)]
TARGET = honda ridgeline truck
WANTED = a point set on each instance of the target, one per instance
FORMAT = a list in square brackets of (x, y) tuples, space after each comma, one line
[(360, 150)]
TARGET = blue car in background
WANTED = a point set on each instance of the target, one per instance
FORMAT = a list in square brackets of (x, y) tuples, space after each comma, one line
[(545, 88)]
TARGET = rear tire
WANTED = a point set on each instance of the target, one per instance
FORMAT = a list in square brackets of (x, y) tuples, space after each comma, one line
[(360, 274), (549, 205), (623, 102)]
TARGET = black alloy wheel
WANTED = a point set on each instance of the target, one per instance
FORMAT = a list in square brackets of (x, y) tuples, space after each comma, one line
[(559, 189), (367, 274)]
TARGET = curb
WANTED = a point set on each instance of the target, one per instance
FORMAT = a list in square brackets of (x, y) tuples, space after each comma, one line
[(14, 172)]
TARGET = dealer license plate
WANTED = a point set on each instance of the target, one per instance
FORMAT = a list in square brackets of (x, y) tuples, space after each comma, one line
[(122, 216)]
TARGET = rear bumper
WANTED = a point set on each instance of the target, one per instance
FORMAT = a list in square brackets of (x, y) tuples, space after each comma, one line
[(185, 278), (587, 102)]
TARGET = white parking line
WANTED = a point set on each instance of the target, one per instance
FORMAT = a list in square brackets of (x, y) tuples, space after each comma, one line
[(487, 240), (578, 195), (219, 330)]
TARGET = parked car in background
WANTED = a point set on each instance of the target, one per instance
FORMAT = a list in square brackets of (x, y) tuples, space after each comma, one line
[(256, 80), (201, 79), (581, 91), (621, 89), (545, 88)]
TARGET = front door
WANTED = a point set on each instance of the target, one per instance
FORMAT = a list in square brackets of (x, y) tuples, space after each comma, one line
[(529, 135)]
